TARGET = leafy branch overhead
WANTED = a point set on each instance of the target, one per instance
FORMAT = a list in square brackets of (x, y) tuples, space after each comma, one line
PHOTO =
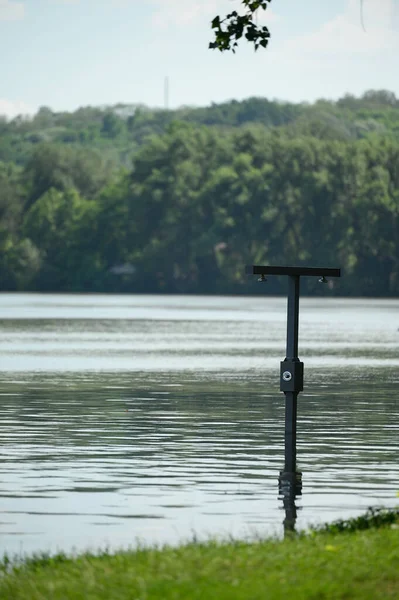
[(234, 26)]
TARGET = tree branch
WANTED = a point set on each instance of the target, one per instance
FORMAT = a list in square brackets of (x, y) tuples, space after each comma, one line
[(234, 26), (229, 30)]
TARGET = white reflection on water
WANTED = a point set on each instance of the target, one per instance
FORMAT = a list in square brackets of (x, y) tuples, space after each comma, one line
[(163, 333)]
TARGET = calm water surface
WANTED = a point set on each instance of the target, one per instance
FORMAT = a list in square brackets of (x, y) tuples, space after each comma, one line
[(154, 418)]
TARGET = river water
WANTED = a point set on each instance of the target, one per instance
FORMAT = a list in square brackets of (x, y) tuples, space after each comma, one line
[(157, 419)]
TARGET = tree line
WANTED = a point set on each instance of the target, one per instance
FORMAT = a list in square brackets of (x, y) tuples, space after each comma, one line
[(138, 200)]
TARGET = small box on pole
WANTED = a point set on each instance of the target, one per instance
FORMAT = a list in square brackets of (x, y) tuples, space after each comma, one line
[(291, 376)]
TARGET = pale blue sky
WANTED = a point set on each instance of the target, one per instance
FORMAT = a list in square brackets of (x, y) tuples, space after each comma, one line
[(70, 53)]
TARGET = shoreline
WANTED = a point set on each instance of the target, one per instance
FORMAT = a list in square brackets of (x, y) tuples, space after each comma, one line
[(356, 558)]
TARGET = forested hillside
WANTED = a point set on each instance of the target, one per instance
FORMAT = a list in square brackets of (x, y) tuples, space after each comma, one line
[(131, 199)]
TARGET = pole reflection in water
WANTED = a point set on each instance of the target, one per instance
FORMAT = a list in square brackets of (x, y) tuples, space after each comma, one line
[(289, 488)]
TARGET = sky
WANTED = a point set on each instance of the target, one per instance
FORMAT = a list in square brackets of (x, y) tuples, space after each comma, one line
[(70, 53)]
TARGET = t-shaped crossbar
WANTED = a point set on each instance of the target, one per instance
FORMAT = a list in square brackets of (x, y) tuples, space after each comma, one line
[(294, 271), (291, 369)]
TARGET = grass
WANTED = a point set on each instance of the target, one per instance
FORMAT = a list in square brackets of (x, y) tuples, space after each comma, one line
[(360, 560)]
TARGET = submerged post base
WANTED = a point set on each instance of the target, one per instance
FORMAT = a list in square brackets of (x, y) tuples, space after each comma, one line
[(290, 484), (289, 487)]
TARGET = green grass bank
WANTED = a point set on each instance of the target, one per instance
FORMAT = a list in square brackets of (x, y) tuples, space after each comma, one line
[(354, 559)]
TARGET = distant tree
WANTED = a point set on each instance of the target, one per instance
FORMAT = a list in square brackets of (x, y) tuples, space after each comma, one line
[(20, 261), (63, 167), (43, 118), (55, 225), (112, 125), (11, 196), (380, 98), (3, 125)]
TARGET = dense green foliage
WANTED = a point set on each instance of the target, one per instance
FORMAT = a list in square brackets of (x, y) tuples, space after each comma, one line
[(358, 565), (137, 200)]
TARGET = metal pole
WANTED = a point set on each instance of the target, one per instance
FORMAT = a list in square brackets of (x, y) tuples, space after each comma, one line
[(291, 383), (291, 378), (292, 318), (291, 355), (290, 431)]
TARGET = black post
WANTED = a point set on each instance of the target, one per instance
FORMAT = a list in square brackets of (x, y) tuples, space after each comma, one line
[(291, 377), (291, 397), (291, 383), (292, 317)]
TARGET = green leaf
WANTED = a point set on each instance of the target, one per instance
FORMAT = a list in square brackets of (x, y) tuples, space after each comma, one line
[(216, 22)]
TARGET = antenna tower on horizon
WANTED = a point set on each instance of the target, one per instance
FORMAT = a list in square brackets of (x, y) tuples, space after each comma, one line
[(166, 93)]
